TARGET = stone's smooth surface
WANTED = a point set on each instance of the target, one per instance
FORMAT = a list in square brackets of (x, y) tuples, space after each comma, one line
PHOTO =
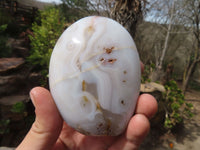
[(95, 76)]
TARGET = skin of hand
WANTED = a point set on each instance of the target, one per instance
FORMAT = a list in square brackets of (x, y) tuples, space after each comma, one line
[(50, 132)]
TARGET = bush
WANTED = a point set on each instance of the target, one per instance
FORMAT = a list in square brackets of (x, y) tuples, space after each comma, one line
[(176, 108), (5, 18), (19, 107), (4, 123), (5, 50), (3, 27), (46, 31), (13, 27), (73, 10)]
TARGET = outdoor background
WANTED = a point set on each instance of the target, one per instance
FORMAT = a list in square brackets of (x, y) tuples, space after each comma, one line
[(167, 36)]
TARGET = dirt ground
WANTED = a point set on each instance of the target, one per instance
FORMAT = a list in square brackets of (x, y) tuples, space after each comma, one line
[(184, 137)]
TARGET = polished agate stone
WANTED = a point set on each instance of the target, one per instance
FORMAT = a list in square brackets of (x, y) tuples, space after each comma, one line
[(95, 76)]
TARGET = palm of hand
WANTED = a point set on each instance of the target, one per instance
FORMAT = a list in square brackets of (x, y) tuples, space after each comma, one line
[(49, 132), (71, 139)]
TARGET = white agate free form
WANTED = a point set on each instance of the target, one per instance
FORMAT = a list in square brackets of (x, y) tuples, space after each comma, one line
[(94, 76)]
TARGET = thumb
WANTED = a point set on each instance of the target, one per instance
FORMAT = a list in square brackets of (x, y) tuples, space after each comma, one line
[(48, 123)]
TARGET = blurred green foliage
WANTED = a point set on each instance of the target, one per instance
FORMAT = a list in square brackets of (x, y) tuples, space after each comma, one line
[(5, 18), (13, 28), (4, 123), (3, 27), (176, 108), (19, 110), (46, 30), (19, 107), (73, 10), (147, 70), (5, 50)]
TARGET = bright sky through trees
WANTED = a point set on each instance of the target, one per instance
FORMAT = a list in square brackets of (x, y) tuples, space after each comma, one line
[(50, 1)]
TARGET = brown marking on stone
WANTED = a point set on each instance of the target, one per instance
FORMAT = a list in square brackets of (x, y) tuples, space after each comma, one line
[(112, 60), (99, 128), (122, 102), (98, 106), (109, 50), (83, 85), (85, 98), (102, 59), (90, 28), (124, 81), (100, 125), (78, 64), (93, 19), (82, 130), (125, 72), (108, 128)]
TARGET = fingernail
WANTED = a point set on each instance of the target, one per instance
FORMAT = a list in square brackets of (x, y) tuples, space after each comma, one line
[(32, 97)]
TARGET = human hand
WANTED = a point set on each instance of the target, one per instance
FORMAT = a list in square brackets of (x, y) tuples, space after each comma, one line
[(49, 131)]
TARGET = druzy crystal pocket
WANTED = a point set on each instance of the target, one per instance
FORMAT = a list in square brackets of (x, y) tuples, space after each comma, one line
[(95, 76)]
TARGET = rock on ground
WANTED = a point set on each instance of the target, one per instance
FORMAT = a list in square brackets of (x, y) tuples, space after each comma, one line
[(6, 148)]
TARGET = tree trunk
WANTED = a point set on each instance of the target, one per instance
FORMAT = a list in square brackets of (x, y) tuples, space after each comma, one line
[(188, 74), (196, 30), (159, 74), (186, 79), (128, 13)]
